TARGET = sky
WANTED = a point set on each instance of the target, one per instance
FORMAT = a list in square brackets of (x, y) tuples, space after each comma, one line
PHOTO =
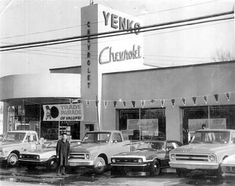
[(34, 20)]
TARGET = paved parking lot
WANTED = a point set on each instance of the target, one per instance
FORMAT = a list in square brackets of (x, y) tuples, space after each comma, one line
[(41, 176)]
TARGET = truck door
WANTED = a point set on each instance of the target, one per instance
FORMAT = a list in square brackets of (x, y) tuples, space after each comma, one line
[(32, 140), (118, 144)]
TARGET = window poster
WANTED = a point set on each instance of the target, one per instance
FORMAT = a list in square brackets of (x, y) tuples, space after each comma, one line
[(148, 127)]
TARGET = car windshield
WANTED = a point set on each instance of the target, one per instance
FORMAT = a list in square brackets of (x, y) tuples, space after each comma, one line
[(211, 137), (156, 145), (96, 137), (14, 137)]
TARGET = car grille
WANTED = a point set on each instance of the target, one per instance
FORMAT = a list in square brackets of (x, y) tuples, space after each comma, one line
[(229, 169), (126, 160), (190, 157), (29, 157), (77, 155)]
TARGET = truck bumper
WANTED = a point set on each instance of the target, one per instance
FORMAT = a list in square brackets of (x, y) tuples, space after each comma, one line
[(80, 163), (194, 165), (34, 163), (2, 158)]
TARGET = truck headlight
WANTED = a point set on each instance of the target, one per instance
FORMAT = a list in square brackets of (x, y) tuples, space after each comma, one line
[(173, 156), (140, 160), (212, 158), (37, 157), (87, 156), (113, 160)]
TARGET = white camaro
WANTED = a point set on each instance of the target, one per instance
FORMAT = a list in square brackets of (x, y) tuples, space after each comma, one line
[(228, 165)]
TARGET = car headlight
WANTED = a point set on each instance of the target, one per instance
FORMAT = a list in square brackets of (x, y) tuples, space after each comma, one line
[(87, 156), (212, 158), (173, 156), (140, 160), (113, 160)]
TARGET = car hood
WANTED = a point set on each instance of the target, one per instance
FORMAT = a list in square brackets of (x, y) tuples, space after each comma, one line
[(229, 160), (203, 148), (7, 144), (141, 153), (87, 147)]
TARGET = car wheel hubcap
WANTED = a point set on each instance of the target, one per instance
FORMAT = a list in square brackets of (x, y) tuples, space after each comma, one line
[(13, 160)]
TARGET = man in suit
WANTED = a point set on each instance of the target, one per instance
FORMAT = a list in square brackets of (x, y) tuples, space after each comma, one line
[(62, 153)]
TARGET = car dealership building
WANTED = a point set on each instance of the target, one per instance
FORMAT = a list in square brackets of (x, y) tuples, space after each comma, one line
[(115, 90)]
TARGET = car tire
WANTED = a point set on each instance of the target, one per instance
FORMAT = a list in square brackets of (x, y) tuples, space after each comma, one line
[(52, 164), (12, 159), (180, 173), (99, 165), (155, 168)]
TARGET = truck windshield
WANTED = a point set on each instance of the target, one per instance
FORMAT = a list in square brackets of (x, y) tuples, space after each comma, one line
[(211, 137), (97, 137), (14, 137)]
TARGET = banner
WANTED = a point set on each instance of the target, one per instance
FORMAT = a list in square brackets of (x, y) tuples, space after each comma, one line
[(63, 112)]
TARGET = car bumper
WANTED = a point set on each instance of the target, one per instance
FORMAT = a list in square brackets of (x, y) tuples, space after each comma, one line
[(118, 168), (228, 168), (194, 165), (80, 162)]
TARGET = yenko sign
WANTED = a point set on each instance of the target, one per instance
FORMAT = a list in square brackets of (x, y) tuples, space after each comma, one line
[(121, 23), (114, 56), (63, 112)]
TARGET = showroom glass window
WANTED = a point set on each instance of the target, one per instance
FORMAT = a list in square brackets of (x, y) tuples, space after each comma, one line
[(217, 116), (129, 119)]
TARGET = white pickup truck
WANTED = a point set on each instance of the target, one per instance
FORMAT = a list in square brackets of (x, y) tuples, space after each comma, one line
[(16, 142), (96, 149)]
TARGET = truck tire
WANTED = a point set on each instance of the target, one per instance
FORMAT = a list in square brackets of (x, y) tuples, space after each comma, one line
[(12, 159), (155, 168), (99, 165), (52, 164)]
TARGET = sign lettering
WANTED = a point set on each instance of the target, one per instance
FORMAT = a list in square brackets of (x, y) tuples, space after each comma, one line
[(121, 23), (113, 56)]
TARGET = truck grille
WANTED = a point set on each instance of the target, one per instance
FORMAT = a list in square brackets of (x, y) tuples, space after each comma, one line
[(29, 157), (190, 157), (77, 155)]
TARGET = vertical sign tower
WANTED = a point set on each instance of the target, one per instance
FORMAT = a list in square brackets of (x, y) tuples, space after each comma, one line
[(107, 53)]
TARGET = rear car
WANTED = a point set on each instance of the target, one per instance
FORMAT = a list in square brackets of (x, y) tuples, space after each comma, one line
[(147, 159)]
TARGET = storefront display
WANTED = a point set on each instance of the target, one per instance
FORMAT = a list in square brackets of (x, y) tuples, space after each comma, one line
[(142, 123)]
